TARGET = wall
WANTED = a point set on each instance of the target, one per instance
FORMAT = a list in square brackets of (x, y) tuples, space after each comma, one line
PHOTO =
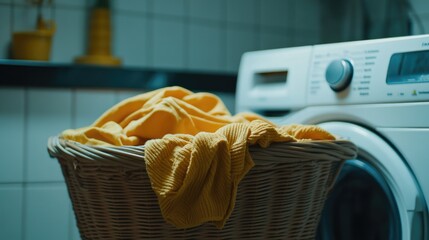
[(185, 34), (421, 11), (366, 19), (202, 35)]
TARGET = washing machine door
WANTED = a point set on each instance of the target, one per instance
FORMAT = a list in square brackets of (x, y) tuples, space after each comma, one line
[(375, 196)]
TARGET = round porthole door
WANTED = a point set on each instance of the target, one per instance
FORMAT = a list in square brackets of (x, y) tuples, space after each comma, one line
[(375, 195)]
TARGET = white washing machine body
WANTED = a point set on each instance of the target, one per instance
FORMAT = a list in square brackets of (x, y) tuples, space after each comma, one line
[(399, 152), (375, 93)]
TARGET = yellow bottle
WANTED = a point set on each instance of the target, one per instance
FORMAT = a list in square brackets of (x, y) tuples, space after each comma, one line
[(99, 38)]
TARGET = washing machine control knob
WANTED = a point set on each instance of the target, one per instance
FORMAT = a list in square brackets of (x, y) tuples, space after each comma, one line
[(339, 74)]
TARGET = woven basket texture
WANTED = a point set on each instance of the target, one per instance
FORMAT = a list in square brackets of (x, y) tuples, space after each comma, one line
[(282, 197)]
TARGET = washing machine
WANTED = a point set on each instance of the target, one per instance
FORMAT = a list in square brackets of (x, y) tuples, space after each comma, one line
[(374, 93)]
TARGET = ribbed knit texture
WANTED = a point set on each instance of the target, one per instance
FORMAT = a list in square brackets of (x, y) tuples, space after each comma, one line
[(196, 153)]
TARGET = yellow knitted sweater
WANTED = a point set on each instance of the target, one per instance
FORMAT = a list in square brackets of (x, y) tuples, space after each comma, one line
[(196, 153)]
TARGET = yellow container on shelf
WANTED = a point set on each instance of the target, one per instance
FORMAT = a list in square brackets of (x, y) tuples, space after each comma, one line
[(34, 45)]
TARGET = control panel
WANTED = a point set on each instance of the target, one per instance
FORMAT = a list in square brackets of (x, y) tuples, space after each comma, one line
[(373, 71)]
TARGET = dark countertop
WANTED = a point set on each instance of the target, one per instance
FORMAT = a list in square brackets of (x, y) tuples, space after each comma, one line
[(17, 73)]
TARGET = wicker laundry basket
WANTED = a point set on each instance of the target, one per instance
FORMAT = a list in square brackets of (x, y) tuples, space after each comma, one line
[(282, 197)]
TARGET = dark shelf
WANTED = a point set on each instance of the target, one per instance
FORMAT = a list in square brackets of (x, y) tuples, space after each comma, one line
[(15, 73)]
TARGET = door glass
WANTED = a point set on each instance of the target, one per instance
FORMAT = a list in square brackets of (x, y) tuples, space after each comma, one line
[(360, 206)]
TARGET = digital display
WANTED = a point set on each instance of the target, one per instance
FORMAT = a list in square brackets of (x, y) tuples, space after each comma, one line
[(409, 67)]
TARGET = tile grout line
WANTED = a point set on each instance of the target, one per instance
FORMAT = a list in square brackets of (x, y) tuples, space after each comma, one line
[(293, 18), (73, 107), (12, 14), (258, 28), (224, 39), (150, 31), (53, 11), (73, 116), (24, 166), (187, 23)]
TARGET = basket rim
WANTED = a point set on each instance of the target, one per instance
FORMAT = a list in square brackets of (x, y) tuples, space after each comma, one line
[(334, 150)]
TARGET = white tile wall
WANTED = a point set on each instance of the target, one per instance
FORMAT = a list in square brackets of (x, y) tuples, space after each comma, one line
[(136, 6), (204, 44), (24, 15), (70, 36), (168, 7), (12, 122), (309, 28), (305, 37), (48, 113), (47, 212), (207, 9), (168, 41), (24, 18), (68, 41), (243, 11), (274, 39), (162, 33), (153, 22), (308, 19), (69, 4), (91, 104), (135, 50), (5, 31), (277, 13), (11, 200), (239, 40)]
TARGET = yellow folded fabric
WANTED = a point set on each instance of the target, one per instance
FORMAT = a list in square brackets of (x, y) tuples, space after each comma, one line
[(196, 152), (152, 115)]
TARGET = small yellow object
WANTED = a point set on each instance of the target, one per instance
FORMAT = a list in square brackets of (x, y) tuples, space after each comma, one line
[(34, 45), (99, 44), (196, 153)]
